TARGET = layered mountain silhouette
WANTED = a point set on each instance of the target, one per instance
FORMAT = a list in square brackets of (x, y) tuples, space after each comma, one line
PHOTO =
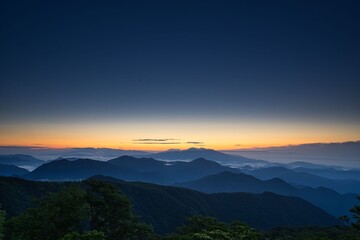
[(329, 200), (297, 177), (128, 168), (102, 154), (64, 169), (199, 174), (166, 208), (11, 170), (79, 153), (338, 174), (346, 153), (20, 160), (210, 154)]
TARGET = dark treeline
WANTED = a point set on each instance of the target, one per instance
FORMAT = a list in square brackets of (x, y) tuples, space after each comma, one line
[(96, 210)]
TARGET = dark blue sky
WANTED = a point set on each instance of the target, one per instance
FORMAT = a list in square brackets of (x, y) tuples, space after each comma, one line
[(79, 59)]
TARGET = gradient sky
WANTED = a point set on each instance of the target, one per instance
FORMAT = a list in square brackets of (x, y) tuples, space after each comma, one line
[(176, 74)]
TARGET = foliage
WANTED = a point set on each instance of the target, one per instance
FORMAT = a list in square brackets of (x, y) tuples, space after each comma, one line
[(17, 194), (354, 219), (356, 215), (313, 233), (57, 214), (166, 208), (111, 213), (208, 228), (92, 235), (2, 221), (73, 211), (96, 210)]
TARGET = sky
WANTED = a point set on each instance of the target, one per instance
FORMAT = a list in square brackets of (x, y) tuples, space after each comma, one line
[(155, 75)]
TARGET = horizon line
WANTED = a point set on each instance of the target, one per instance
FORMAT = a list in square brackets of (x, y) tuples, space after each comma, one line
[(259, 147)]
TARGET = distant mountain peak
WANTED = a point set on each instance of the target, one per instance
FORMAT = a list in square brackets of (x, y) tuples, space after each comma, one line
[(199, 149), (201, 160), (205, 162), (173, 149), (209, 154), (126, 157), (21, 160)]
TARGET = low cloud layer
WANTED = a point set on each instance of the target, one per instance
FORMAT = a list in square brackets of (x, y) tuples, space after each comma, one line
[(195, 142), (154, 139)]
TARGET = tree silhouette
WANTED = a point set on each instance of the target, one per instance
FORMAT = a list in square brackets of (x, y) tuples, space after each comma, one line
[(56, 215), (354, 219), (356, 215), (2, 221), (95, 212), (208, 228), (110, 212)]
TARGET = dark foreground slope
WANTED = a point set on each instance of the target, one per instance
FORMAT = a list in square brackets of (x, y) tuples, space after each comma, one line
[(327, 199), (166, 208)]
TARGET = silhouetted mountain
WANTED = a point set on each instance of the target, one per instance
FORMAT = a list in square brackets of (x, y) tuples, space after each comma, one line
[(11, 170), (128, 168), (166, 208), (67, 158), (103, 154), (351, 174), (21, 160), (309, 165), (344, 153), (327, 199), (76, 170), (304, 178), (332, 172), (210, 154), (232, 182), (140, 164), (97, 153), (169, 172)]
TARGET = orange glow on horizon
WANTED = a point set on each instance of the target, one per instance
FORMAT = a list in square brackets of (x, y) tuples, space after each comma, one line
[(162, 148), (219, 135)]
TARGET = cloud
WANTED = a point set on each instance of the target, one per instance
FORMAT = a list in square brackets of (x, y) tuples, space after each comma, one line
[(154, 139), (158, 142), (24, 147), (195, 142)]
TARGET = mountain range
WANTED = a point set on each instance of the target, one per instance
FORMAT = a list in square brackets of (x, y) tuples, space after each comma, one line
[(45, 153), (209, 154), (203, 175), (302, 177), (329, 200), (128, 168), (328, 172), (21, 160), (166, 208), (199, 174), (11, 170), (345, 153)]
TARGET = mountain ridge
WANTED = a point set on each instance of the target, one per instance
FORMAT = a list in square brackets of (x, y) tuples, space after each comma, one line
[(298, 177), (209, 154), (127, 168), (328, 199), (166, 208), (12, 170)]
